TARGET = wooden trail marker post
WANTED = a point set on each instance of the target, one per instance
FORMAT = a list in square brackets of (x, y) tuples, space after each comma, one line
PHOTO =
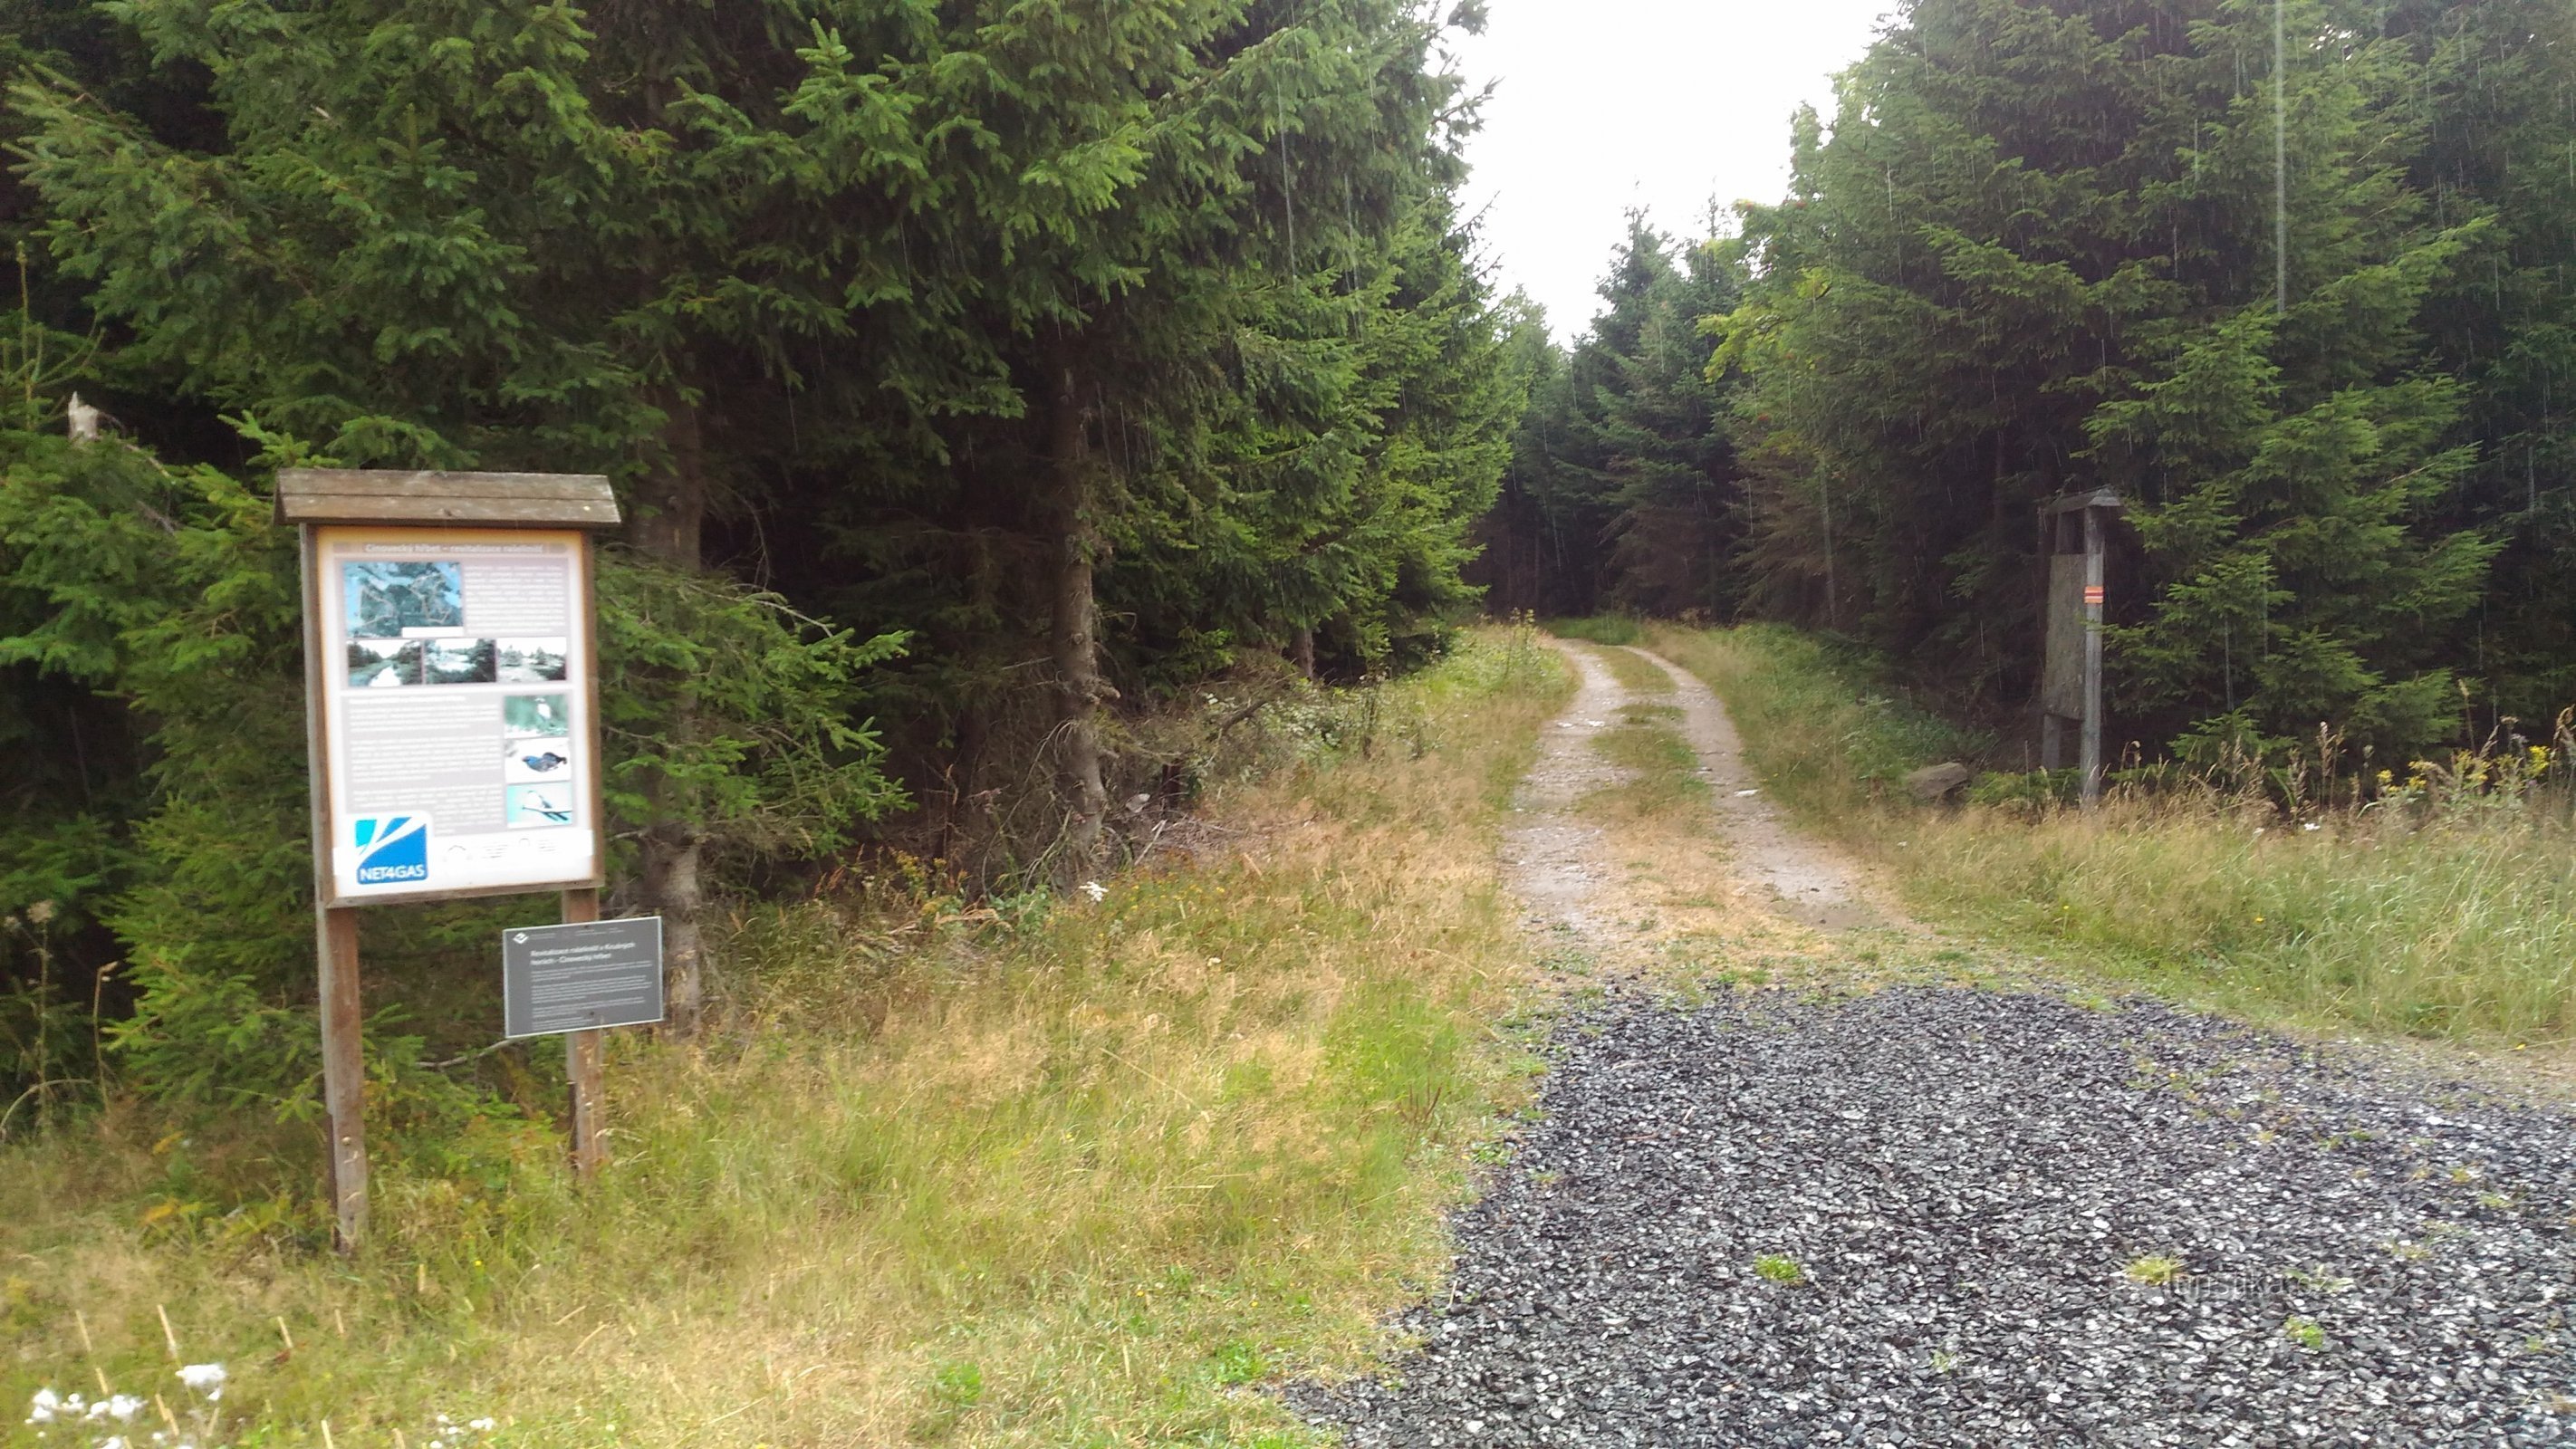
[(2073, 536), (452, 721)]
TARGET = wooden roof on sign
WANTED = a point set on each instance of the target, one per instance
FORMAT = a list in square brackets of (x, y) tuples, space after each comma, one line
[(479, 500), (2098, 498)]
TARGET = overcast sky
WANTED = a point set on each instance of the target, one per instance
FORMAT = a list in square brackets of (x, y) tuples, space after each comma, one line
[(1605, 104)]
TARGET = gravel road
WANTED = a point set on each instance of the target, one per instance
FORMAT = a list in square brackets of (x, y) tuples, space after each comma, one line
[(1963, 1181), (1922, 1215)]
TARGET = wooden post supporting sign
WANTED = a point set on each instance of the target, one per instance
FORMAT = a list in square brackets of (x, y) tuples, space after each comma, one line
[(452, 722), (344, 1072), (582, 1067), (2096, 593), (2074, 542)]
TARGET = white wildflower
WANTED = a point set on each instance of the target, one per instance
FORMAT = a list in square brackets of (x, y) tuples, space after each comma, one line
[(2312, 825), (482, 1426), (117, 1442), (205, 1378), (1095, 890), (46, 1404), (120, 1407)]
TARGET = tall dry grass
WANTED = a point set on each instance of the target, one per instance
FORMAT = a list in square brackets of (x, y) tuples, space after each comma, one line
[(2447, 907), (1068, 1174)]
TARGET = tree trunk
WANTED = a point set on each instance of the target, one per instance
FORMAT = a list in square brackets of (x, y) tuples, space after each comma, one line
[(669, 529), (1079, 687), (970, 826), (673, 891), (969, 819), (1301, 648)]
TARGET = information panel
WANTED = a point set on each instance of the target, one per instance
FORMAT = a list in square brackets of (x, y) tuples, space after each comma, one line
[(581, 977), (457, 685)]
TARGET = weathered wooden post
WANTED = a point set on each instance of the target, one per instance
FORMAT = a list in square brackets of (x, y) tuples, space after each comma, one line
[(2073, 535), (452, 719)]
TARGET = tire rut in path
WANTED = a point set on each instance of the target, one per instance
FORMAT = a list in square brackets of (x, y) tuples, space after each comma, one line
[(1557, 857), (1806, 881), (1552, 853)]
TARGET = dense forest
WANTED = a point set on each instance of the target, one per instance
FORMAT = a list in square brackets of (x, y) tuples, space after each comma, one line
[(2045, 248), (986, 382), (977, 377)]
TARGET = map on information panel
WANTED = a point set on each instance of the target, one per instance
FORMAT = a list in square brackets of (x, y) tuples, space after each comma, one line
[(457, 689)]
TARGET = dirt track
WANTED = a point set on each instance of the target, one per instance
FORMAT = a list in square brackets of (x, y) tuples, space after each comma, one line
[(1559, 858)]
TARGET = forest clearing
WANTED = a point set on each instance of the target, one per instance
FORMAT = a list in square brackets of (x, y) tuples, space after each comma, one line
[(953, 721)]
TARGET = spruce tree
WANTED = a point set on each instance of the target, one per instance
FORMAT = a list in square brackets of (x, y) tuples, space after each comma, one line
[(1197, 432), (467, 235), (1542, 545), (2037, 255), (2493, 98), (1623, 491), (1668, 469)]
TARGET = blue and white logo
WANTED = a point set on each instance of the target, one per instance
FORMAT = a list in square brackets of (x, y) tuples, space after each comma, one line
[(393, 849)]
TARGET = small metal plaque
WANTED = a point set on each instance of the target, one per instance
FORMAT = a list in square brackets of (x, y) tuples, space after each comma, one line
[(582, 976)]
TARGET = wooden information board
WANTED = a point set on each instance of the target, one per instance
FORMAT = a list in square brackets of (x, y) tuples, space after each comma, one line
[(460, 739), (452, 715)]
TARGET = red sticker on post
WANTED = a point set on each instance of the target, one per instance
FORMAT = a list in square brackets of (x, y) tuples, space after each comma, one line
[(2093, 596)]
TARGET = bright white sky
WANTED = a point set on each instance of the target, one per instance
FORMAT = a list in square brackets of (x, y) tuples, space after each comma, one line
[(1605, 104)]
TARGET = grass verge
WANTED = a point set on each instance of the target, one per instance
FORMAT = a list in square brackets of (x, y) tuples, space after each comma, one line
[(1829, 734), (2445, 918), (1073, 1176)]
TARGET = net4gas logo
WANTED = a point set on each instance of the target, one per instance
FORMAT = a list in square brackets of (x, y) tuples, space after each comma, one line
[(393, 849)]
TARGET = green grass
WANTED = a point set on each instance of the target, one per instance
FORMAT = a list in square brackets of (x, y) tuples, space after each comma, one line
[(2154, 1270), (1073, 1177), (1663, 769), (1634, 673), (1610, 629), (1774, 1268), (1829, 735), (2455, 920)]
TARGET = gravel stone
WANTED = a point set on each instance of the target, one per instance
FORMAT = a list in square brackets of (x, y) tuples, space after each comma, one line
[(1962, 1180)]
